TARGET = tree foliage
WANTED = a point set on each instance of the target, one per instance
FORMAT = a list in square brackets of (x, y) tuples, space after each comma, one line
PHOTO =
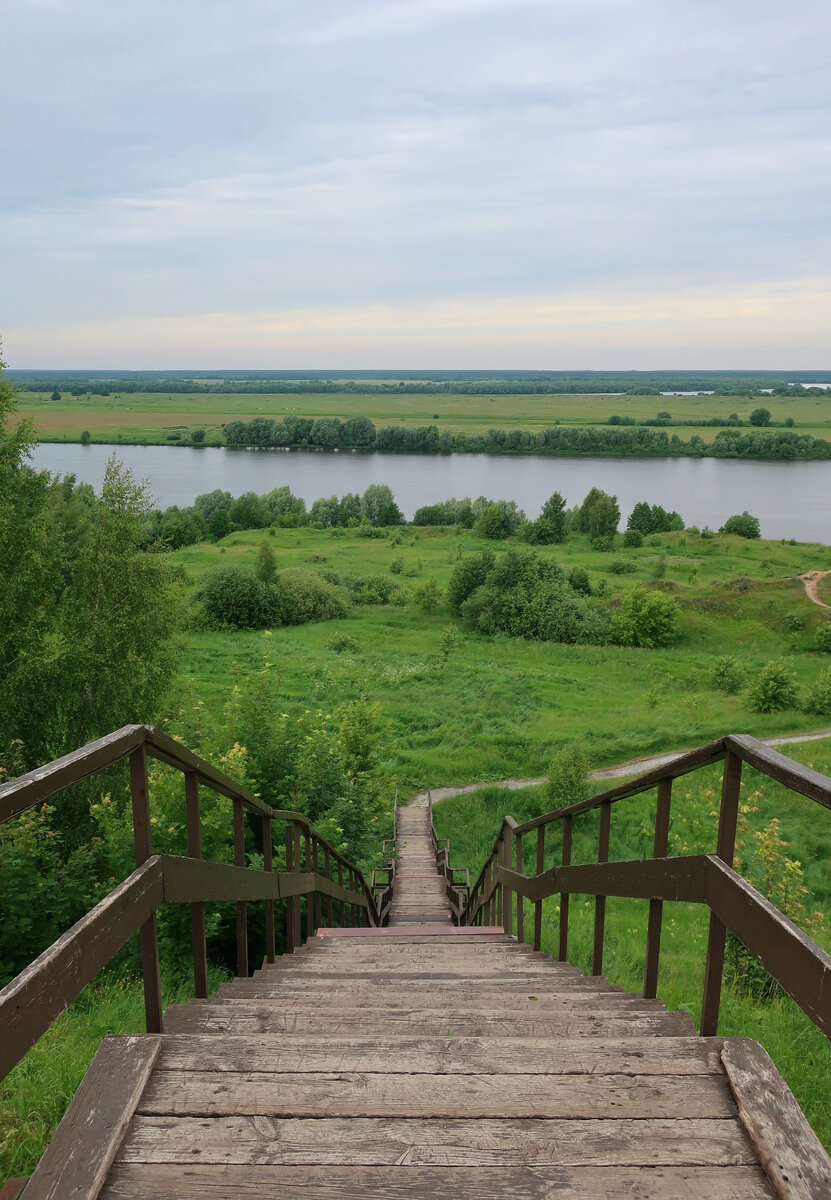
[(646, 619)]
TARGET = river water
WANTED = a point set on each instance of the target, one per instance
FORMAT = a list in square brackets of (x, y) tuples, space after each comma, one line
[(791, 499)]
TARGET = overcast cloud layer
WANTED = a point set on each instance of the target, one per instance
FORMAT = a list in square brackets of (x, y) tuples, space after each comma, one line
[(505, 183)]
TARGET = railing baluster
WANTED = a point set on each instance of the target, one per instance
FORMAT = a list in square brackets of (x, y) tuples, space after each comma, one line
[(562, 952), (268, 865), (197, 910), (296, 912), (291, 945), (600, 901), (144, 849), (343, 920), (538, 904), (242, 908), (310, 896), (656, 907), (327, 871), (500, 888), (316, 868), (508, 895), (520, 910), (727, 823)]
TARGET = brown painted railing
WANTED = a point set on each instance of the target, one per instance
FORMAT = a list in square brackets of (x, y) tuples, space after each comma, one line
[(458, 894), (796, 962), (334, 889)]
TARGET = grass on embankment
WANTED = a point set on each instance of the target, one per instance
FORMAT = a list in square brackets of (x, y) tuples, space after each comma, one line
[(800, 1051), (152, 417), (35, 1095), (500, 707)]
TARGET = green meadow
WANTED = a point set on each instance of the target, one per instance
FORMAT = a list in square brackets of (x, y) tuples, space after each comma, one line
[(154, 417)]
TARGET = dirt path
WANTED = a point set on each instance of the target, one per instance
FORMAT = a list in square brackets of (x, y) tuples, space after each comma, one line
[(632, 767), (810, 580)]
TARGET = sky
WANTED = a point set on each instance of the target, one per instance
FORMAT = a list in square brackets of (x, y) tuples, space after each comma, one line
[(415, 183)]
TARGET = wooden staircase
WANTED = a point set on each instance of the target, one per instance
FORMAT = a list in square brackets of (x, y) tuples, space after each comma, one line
[(423, 1059)]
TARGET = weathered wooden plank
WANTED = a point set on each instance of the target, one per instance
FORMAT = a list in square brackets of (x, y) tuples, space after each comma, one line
[(384, 1003), (259, 1018), (86, 1141), (445, 1055), (345, 1094), (196, 1182), (12, 1189), (390, 992), (784, 770), (379, 1142), (41, 992), (467, 933), (788, 1148)]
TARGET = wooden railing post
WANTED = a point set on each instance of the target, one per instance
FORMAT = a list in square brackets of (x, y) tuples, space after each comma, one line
[(727, 822), (656, 907), (500, 888), (507, 893), (520, 910), (197, 910), (296, 911), (318, 908), (290, 902), (148, 934), (538, 904), (343, 919), (600, 901), (268, 865), (327, 871), (562, 952), (242, 908)]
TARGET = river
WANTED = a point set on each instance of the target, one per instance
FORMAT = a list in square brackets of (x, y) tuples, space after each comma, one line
[(791, 499)]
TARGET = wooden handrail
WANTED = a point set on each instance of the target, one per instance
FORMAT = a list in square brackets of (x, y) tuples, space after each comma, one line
[(33, 1000), (797, 964)]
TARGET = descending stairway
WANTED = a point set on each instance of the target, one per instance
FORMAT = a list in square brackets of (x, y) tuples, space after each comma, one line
[(420, 893), (417, 1060)]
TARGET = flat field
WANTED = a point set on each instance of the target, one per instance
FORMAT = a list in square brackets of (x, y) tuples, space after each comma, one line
[(152, 417)]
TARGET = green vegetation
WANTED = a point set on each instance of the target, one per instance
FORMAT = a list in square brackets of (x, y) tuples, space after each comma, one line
[(783, 849), (500, 412)]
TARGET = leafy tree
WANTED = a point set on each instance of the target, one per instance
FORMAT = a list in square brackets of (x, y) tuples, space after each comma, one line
[(567, 777), (86, 438), (728, 675), (760, 416), (824, 637), (429, 595), (210, 501), (742, 524), (379, 507), (774, 689), (249, 511), (56, 395), (197, 436), (266, 563), (550, 526), (819, 697), (646, 619), (633, 538), (599, 514), (233, 597), (219, 525), (493, 523), (468, 575)]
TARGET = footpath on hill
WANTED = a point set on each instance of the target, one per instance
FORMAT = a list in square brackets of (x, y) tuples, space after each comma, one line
[(632, 767), (810, 581)]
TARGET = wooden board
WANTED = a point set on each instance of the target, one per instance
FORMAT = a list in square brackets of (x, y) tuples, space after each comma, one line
[(787, 1147), (195, 1182), (386, 1001), (256, 1018), (344, 1094), (687, 1056), (86, 1141), (378, 1142)]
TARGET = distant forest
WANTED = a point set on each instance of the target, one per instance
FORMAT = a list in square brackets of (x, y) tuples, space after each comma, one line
[(637, 383)]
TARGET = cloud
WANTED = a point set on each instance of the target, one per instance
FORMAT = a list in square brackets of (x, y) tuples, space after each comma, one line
[(776, 325)]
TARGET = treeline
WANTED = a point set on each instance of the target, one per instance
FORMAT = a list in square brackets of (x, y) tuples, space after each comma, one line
[(562, 441), (640, 383)]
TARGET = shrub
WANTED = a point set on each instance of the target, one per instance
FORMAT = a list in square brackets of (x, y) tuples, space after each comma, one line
[(775, 689), (468, 575), (266, 563), (493, 523), (197, 436), (86, 438), (622, 566), (819, 697), (728, 675), (794, 623), (567, 777), (633, 539), (742, 524), (824, 637), (604, 542), (341, 643), (397, 566), (647, 619), (760, 417), (304, 596), (578, 579), (429, 595), (233, 597)]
